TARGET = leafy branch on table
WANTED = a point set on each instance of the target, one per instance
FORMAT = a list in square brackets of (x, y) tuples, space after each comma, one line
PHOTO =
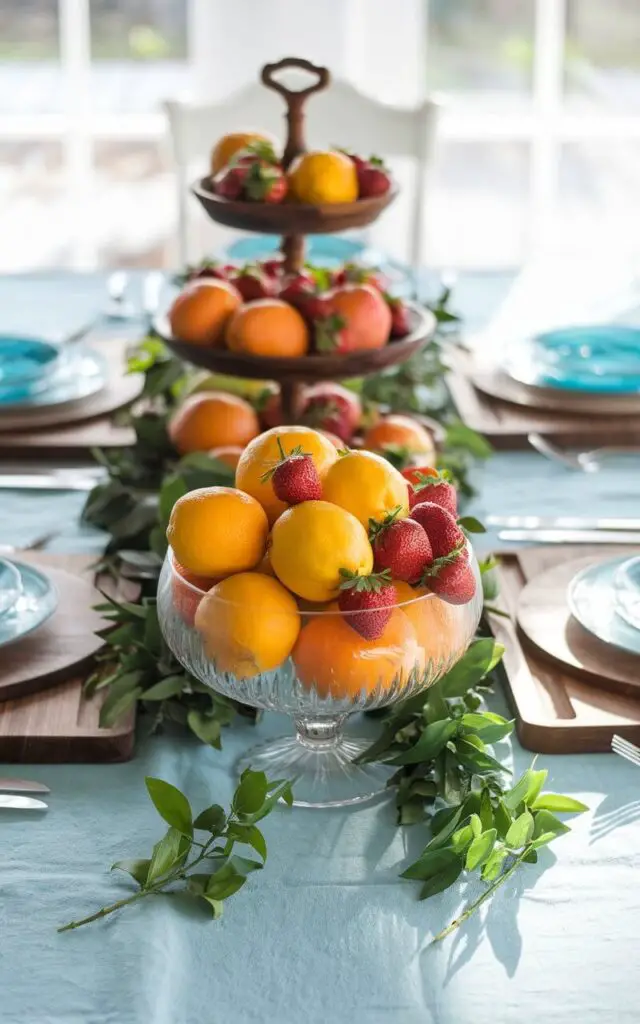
[(440, 742), (204, 867)]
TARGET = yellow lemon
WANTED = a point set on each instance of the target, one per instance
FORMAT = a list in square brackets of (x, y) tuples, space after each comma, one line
[(311, 542), (323, 177), (263, 453), (216, 531), (249, 624), (367, 486)]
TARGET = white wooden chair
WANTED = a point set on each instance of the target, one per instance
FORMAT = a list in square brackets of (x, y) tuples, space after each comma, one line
[(339, 116)]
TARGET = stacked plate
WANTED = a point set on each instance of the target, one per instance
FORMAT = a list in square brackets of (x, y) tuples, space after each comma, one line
[(593, 369), (39, 380), (605, 599), (27, 600)]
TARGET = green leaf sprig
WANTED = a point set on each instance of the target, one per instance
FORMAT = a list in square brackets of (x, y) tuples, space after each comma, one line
[(136, 664), (204, 867), (441, 742), (493, 833)]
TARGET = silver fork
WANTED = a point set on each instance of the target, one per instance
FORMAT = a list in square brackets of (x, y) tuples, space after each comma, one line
[(626, 749), (588, 462)]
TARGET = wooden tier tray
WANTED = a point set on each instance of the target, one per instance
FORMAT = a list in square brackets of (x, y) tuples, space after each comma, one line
[(289, 218), (561, 702), (56, 725), (305, 369), (506, 424)]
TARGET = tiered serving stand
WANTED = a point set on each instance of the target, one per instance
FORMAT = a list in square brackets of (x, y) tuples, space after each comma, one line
[(293, 221)]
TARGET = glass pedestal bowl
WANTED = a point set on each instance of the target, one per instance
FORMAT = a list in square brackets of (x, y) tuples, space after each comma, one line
[(309, 663)]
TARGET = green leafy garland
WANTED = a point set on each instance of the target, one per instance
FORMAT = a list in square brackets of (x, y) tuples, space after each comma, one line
[(446, 778)]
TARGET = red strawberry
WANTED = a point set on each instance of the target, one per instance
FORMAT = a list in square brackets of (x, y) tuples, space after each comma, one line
[(427, 484), (265, 183), (367, 602), (440, 526), (351, 273), (329, 406), (270, 410), (454, 581), (295, 477), (357, 161), (297, 288), (274, 267), (207, 268), (373, 179), (253, 283), (401, 546), (400, 317), (229, 182)]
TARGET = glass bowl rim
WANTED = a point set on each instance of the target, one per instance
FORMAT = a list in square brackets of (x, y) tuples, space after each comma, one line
[(50, 350), (312, 612), (14, 574)]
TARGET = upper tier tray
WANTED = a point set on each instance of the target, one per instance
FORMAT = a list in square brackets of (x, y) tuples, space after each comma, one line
[(289, 218), (314, 367)]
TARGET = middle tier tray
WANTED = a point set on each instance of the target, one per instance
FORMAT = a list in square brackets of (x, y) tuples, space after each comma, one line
[(309, 368)]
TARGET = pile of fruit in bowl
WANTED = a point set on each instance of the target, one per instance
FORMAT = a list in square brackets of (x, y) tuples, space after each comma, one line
[(322, 582), (246, 167), (260, 310), (214, 420)]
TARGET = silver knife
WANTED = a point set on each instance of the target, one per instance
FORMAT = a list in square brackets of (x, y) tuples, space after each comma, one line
[(21, 803), (47, 482), (563, 522), (22, 786), (572, 536)]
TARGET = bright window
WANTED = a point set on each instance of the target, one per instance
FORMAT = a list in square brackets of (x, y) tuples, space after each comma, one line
[(539, 145)]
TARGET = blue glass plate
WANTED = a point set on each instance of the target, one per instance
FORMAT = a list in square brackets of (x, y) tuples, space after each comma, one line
[(26, 366), (599, 359), (37, 602), (80, 373), (327, 251), (592, 601), (10, 586)]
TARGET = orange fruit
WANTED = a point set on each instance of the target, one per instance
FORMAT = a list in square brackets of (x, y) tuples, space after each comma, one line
[(212, 419), (199, 314), (323, 177), (185, 599), (330, 656), (227, 147), (365, 316), (268, 327), (216, 531), (262, 453), (228, 454), (438, 625), (309, 545), (367, 486), (398, 431), (249, 624)]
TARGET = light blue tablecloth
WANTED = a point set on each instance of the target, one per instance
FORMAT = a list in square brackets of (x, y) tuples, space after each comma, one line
[(327, 932)]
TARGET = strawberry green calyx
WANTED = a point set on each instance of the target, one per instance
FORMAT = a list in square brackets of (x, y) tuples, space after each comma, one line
[(260, 149), (259, 180), (372, 583), (398, 455), (439, 563), (376, 526), (327, 331), (297, 452)]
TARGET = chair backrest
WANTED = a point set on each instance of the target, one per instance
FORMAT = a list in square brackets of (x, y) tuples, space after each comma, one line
[(341, 115)]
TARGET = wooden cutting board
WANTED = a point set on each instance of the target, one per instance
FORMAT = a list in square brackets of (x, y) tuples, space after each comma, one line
[(506, 424), (56, 724), (560, 708)]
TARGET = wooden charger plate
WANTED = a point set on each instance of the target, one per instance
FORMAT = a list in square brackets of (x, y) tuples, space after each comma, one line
[(507, 424), (561, 706)]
